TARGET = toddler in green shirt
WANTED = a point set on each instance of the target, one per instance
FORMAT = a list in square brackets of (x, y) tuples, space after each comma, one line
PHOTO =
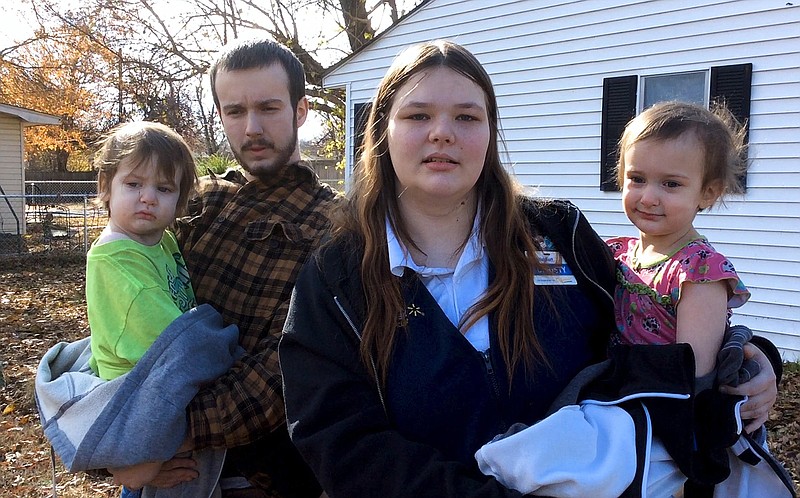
[(136, 279)]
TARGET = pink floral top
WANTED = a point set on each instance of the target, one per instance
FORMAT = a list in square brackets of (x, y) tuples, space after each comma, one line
[(647, 296)]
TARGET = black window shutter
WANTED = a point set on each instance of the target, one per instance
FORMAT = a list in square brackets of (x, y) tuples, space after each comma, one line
[(361, 113), (619, 107), (731, 85)]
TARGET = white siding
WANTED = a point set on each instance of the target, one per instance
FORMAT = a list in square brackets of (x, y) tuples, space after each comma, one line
[(11, 173), (548, 61)]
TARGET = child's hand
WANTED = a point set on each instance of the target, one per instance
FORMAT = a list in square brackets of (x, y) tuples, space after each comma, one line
[(136, 476)]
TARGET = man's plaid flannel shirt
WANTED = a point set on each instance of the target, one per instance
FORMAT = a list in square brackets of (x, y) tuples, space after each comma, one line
[(244, 247)]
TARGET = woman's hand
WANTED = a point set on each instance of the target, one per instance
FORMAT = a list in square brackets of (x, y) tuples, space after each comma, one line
[(761, 390)]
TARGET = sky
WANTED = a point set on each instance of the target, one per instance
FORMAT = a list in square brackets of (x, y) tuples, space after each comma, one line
[(18, 28), (21, 27)]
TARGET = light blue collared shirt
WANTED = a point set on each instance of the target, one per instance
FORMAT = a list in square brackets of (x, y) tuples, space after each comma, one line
[(455, 290)]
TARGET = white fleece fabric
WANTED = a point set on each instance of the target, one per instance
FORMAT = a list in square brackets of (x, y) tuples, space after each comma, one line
[(587, 450)]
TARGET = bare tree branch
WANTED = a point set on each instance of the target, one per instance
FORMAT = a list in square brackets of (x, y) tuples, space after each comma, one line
[(153, 62)]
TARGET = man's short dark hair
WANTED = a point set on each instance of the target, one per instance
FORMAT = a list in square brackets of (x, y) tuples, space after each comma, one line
[(253, 54)]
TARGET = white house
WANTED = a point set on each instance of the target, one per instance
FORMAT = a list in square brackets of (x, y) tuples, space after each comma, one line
[(13, 121), (569, 74)]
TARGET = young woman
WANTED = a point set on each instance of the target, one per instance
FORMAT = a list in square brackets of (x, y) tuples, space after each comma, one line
[(447, 305)]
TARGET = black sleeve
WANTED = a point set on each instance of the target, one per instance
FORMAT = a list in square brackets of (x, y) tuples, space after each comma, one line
[(336, 418), (773, 355), (595, 269)]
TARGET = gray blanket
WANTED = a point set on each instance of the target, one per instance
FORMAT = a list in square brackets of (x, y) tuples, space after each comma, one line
[(140, 416)]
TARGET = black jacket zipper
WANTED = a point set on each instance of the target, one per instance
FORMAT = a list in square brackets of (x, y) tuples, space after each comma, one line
[(372, 360)]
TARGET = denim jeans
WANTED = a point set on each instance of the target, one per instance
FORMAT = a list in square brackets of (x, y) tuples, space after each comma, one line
[(129, 493)]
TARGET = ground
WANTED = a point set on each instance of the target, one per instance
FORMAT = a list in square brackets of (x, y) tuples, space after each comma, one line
[(42, 303)]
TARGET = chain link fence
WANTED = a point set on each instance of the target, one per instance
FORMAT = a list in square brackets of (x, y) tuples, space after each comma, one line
[(61, 216), (51, 216)]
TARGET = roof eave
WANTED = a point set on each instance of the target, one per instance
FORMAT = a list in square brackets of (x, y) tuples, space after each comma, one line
[(29, 117)]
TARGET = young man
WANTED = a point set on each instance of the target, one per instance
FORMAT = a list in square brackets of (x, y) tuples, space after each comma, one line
[(244, 246)]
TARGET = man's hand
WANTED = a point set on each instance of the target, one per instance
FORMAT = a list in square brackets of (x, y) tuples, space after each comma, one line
[(174, 472), (761, 390), (136, 476), (181, 468)]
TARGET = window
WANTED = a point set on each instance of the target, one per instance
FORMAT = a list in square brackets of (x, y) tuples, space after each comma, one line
[(728, 84), (686, 87)]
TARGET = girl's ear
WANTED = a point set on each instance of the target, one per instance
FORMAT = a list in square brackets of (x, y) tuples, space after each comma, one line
[(711, 193)]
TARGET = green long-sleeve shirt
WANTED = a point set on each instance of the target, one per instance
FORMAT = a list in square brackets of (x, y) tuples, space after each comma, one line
[(133, 292)]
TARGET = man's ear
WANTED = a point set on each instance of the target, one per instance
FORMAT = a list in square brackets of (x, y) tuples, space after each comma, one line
[(302, 111)]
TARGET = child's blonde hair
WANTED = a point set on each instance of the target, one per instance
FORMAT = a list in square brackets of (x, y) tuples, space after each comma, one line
[(140, 141), (717, 131)]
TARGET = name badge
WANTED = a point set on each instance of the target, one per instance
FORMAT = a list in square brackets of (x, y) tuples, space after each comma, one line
[(555, 270)]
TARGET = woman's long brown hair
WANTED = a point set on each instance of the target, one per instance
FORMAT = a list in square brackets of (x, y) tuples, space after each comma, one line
[(511, 247)]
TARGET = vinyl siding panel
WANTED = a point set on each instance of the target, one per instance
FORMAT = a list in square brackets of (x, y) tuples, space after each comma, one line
[(548, 61), (11, 173)]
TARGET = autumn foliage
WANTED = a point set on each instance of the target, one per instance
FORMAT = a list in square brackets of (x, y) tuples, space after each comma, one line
[(54, 74)]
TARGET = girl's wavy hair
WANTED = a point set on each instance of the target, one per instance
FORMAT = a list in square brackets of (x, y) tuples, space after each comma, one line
[(717, 131), (140, 141), (511, 247)]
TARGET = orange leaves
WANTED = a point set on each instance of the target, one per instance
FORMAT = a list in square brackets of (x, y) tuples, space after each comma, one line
[(57, 74)]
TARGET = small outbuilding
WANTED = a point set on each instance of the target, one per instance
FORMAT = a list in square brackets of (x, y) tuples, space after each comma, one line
[(13, 121)]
